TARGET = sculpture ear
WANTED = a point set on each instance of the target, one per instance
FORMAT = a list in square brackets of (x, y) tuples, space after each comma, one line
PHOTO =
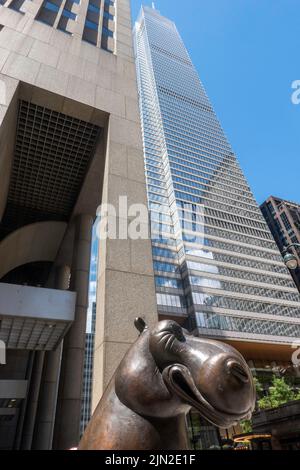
[(140, 325), (167, 341)]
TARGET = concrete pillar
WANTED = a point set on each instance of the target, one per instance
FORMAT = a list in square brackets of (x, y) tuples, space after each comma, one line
[(67, 426), (33, 397), (47, 402), (45, 420), (22, 412), (125, 281)]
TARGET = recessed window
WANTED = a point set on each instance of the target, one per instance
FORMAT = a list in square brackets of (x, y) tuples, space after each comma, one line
[(51, 6), (48, 11), (107, 32), (105, 44), (91, 25), (69, 14), (93, 8), (92, 21), (85, 38), (107, 4), (16, 5), (108, 15)]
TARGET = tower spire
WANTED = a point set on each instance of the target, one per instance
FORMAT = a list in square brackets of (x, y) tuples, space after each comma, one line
[(153, 5)]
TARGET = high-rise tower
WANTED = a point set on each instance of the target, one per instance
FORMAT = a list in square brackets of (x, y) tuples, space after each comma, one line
[(217, 267)]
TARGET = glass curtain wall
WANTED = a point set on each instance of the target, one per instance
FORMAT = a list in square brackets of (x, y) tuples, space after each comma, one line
[(217, 267)]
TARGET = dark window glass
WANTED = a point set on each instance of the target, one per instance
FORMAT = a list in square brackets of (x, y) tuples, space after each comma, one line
[(107, 32), (108, 16), (50, 6), (91, 25), (93, 8), (15, 4), (69, 14)]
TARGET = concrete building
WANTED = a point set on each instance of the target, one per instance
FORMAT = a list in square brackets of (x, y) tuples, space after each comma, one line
[(217, 268), (69, 140), (283, 219)]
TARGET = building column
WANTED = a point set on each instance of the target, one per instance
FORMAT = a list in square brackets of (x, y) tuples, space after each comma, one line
[(44, 427), (125, 279), (22, 413), (67, 426), (33, 397)]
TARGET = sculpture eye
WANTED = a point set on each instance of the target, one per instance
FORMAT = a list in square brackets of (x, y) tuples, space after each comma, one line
[(167, 340), (178, 332)]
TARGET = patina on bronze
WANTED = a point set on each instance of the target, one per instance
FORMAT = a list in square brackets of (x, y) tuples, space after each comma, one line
[(165, 373)]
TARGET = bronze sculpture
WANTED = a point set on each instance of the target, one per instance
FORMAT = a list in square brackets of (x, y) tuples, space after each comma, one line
[(165, 373)]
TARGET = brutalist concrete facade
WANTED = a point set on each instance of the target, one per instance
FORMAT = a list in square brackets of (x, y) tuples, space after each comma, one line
[(70, 140)]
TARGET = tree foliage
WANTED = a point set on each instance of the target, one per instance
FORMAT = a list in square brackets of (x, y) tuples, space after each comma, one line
[(279, 393), (246, 426)]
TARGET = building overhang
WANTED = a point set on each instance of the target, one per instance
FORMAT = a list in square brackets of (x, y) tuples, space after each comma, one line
[(34, 318), (251, 346), (267, 351)]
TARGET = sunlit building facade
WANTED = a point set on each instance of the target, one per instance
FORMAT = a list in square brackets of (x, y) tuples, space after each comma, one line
[(217, 267)]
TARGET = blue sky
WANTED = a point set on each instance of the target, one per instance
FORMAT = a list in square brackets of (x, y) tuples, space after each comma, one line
[(247, 55)]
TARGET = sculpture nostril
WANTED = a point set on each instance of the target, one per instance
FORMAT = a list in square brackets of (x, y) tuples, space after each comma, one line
[(237, 370)]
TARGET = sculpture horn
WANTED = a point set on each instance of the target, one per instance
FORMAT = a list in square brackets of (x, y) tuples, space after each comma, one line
[(140, 324)]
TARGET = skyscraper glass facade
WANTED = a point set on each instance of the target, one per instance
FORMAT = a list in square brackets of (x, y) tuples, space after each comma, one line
[(217, 267), (86, 410)]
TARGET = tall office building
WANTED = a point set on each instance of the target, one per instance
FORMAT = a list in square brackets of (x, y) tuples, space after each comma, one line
[(70, 139), (283, 219), (217, 267), (86, 410)]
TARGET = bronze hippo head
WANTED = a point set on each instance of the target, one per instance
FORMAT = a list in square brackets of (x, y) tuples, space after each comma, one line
[(165, 373), (208, 375)]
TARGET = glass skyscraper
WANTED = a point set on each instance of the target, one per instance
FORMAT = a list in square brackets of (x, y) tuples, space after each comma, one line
[(217, 267)]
